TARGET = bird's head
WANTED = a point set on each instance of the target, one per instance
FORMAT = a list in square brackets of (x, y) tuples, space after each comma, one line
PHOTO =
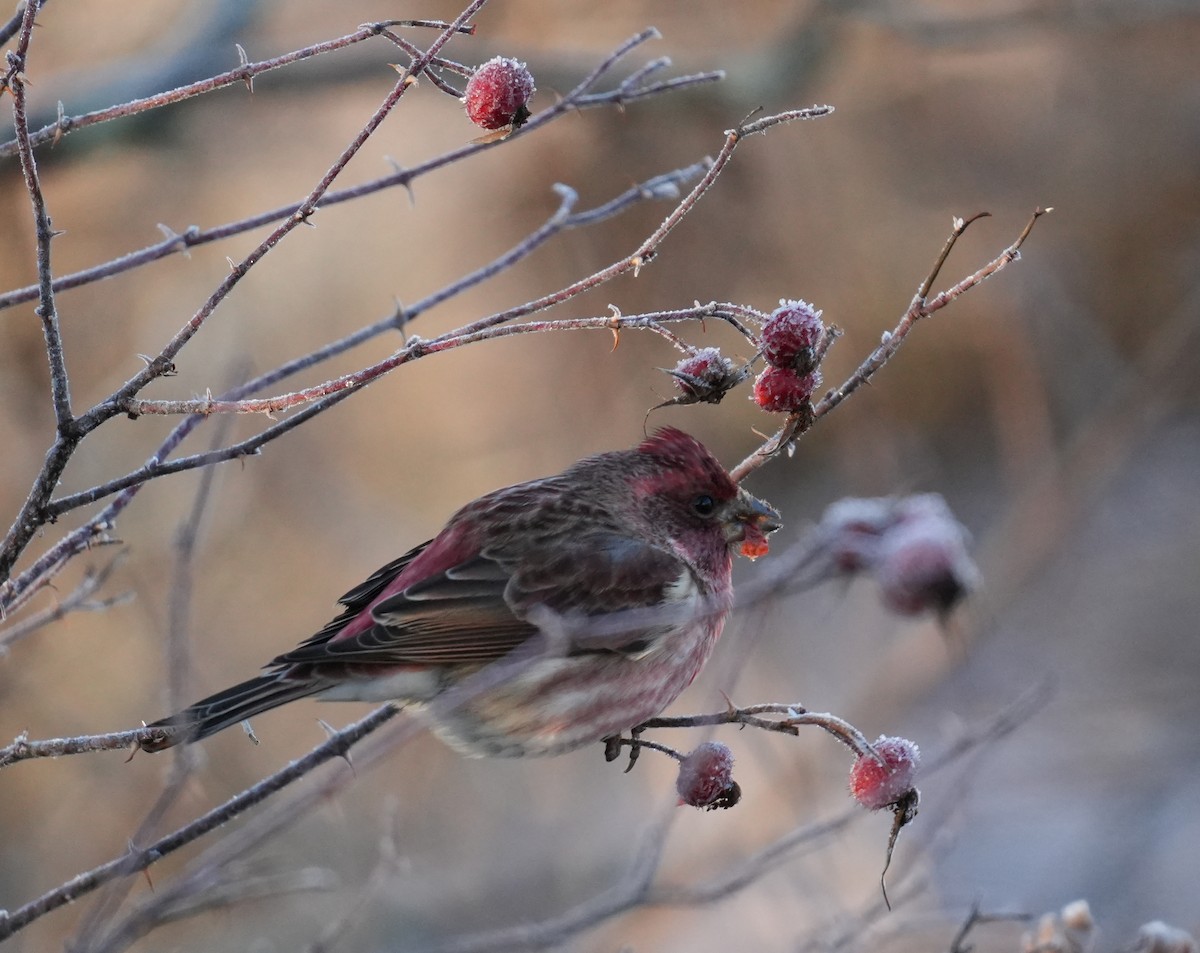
[(689, 498)]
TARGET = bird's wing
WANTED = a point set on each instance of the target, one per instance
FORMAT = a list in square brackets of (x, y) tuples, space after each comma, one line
[(479, 609)]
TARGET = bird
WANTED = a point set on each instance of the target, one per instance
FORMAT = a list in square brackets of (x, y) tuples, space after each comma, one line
[(616, 571)]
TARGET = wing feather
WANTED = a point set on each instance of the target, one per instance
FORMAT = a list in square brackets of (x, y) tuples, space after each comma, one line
[(476, 610)]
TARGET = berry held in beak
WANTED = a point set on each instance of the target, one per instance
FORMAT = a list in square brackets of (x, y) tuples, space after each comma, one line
[(751, 521)]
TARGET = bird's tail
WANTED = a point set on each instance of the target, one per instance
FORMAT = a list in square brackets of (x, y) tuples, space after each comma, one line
[(226, 708)]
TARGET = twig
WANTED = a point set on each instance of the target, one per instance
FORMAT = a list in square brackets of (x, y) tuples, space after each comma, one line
[(30, 517), (416, 349), (163, 362), (244, 73), (182, 587), (793, 717), (976, 916), (919, 308), (462, 693), (658, 187), (643, 254), (141, 858), (78, 600), (9, 30), (186, 899), (637, 890), (22, 749), (44, 234), (193, 237)]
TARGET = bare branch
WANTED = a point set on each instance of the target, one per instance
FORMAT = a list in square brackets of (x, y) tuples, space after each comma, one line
[(244, 73), (140, 858), (637, 888), (32, 516), (16, 83), (22, 749), (79, 600), (796, 424), (193, 237)]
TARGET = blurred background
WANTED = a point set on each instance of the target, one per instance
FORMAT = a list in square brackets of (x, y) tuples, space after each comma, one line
[(1054, 407)]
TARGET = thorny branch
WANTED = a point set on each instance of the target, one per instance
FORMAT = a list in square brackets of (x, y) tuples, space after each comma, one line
[(139, 859), (193, 237), (920, 307), (39, 507), (72, 430), (210, 870), (633, 892), (803, 565)]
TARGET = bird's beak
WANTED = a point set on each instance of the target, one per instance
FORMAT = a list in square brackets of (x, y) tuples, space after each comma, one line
[(750, 522)]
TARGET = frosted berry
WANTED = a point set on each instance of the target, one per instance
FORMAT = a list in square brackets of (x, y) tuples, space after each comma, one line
[(876, 785), (497, 94), (781, 390), (923, 563), (790, 334), (852, 527), (706, 777), (706, 376)]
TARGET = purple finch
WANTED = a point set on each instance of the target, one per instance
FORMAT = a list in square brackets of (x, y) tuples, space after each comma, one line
[(621, 564)]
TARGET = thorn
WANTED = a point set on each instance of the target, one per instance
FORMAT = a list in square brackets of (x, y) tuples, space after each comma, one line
[(614, 325), (244, 60), (344, 754)]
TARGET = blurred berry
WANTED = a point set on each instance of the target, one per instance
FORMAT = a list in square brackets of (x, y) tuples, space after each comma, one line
[(497, 94), (790, 334), (851, 529), (922, 563), (876, 785), (780, 390), (706, 777), (1159, 937)]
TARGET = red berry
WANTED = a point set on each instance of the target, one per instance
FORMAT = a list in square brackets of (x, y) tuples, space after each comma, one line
[(706, 376), (497, 93), (706, 777), (790, 334), (781, 390), (923, 564), (851, 529), (876, 785)]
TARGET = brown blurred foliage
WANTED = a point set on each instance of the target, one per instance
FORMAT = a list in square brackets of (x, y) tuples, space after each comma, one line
[(1055, 407)]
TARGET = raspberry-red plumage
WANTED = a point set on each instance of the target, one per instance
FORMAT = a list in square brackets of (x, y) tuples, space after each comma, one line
[(642, 535)]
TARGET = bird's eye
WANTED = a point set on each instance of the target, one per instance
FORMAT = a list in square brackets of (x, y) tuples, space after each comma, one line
[(704, 505)]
